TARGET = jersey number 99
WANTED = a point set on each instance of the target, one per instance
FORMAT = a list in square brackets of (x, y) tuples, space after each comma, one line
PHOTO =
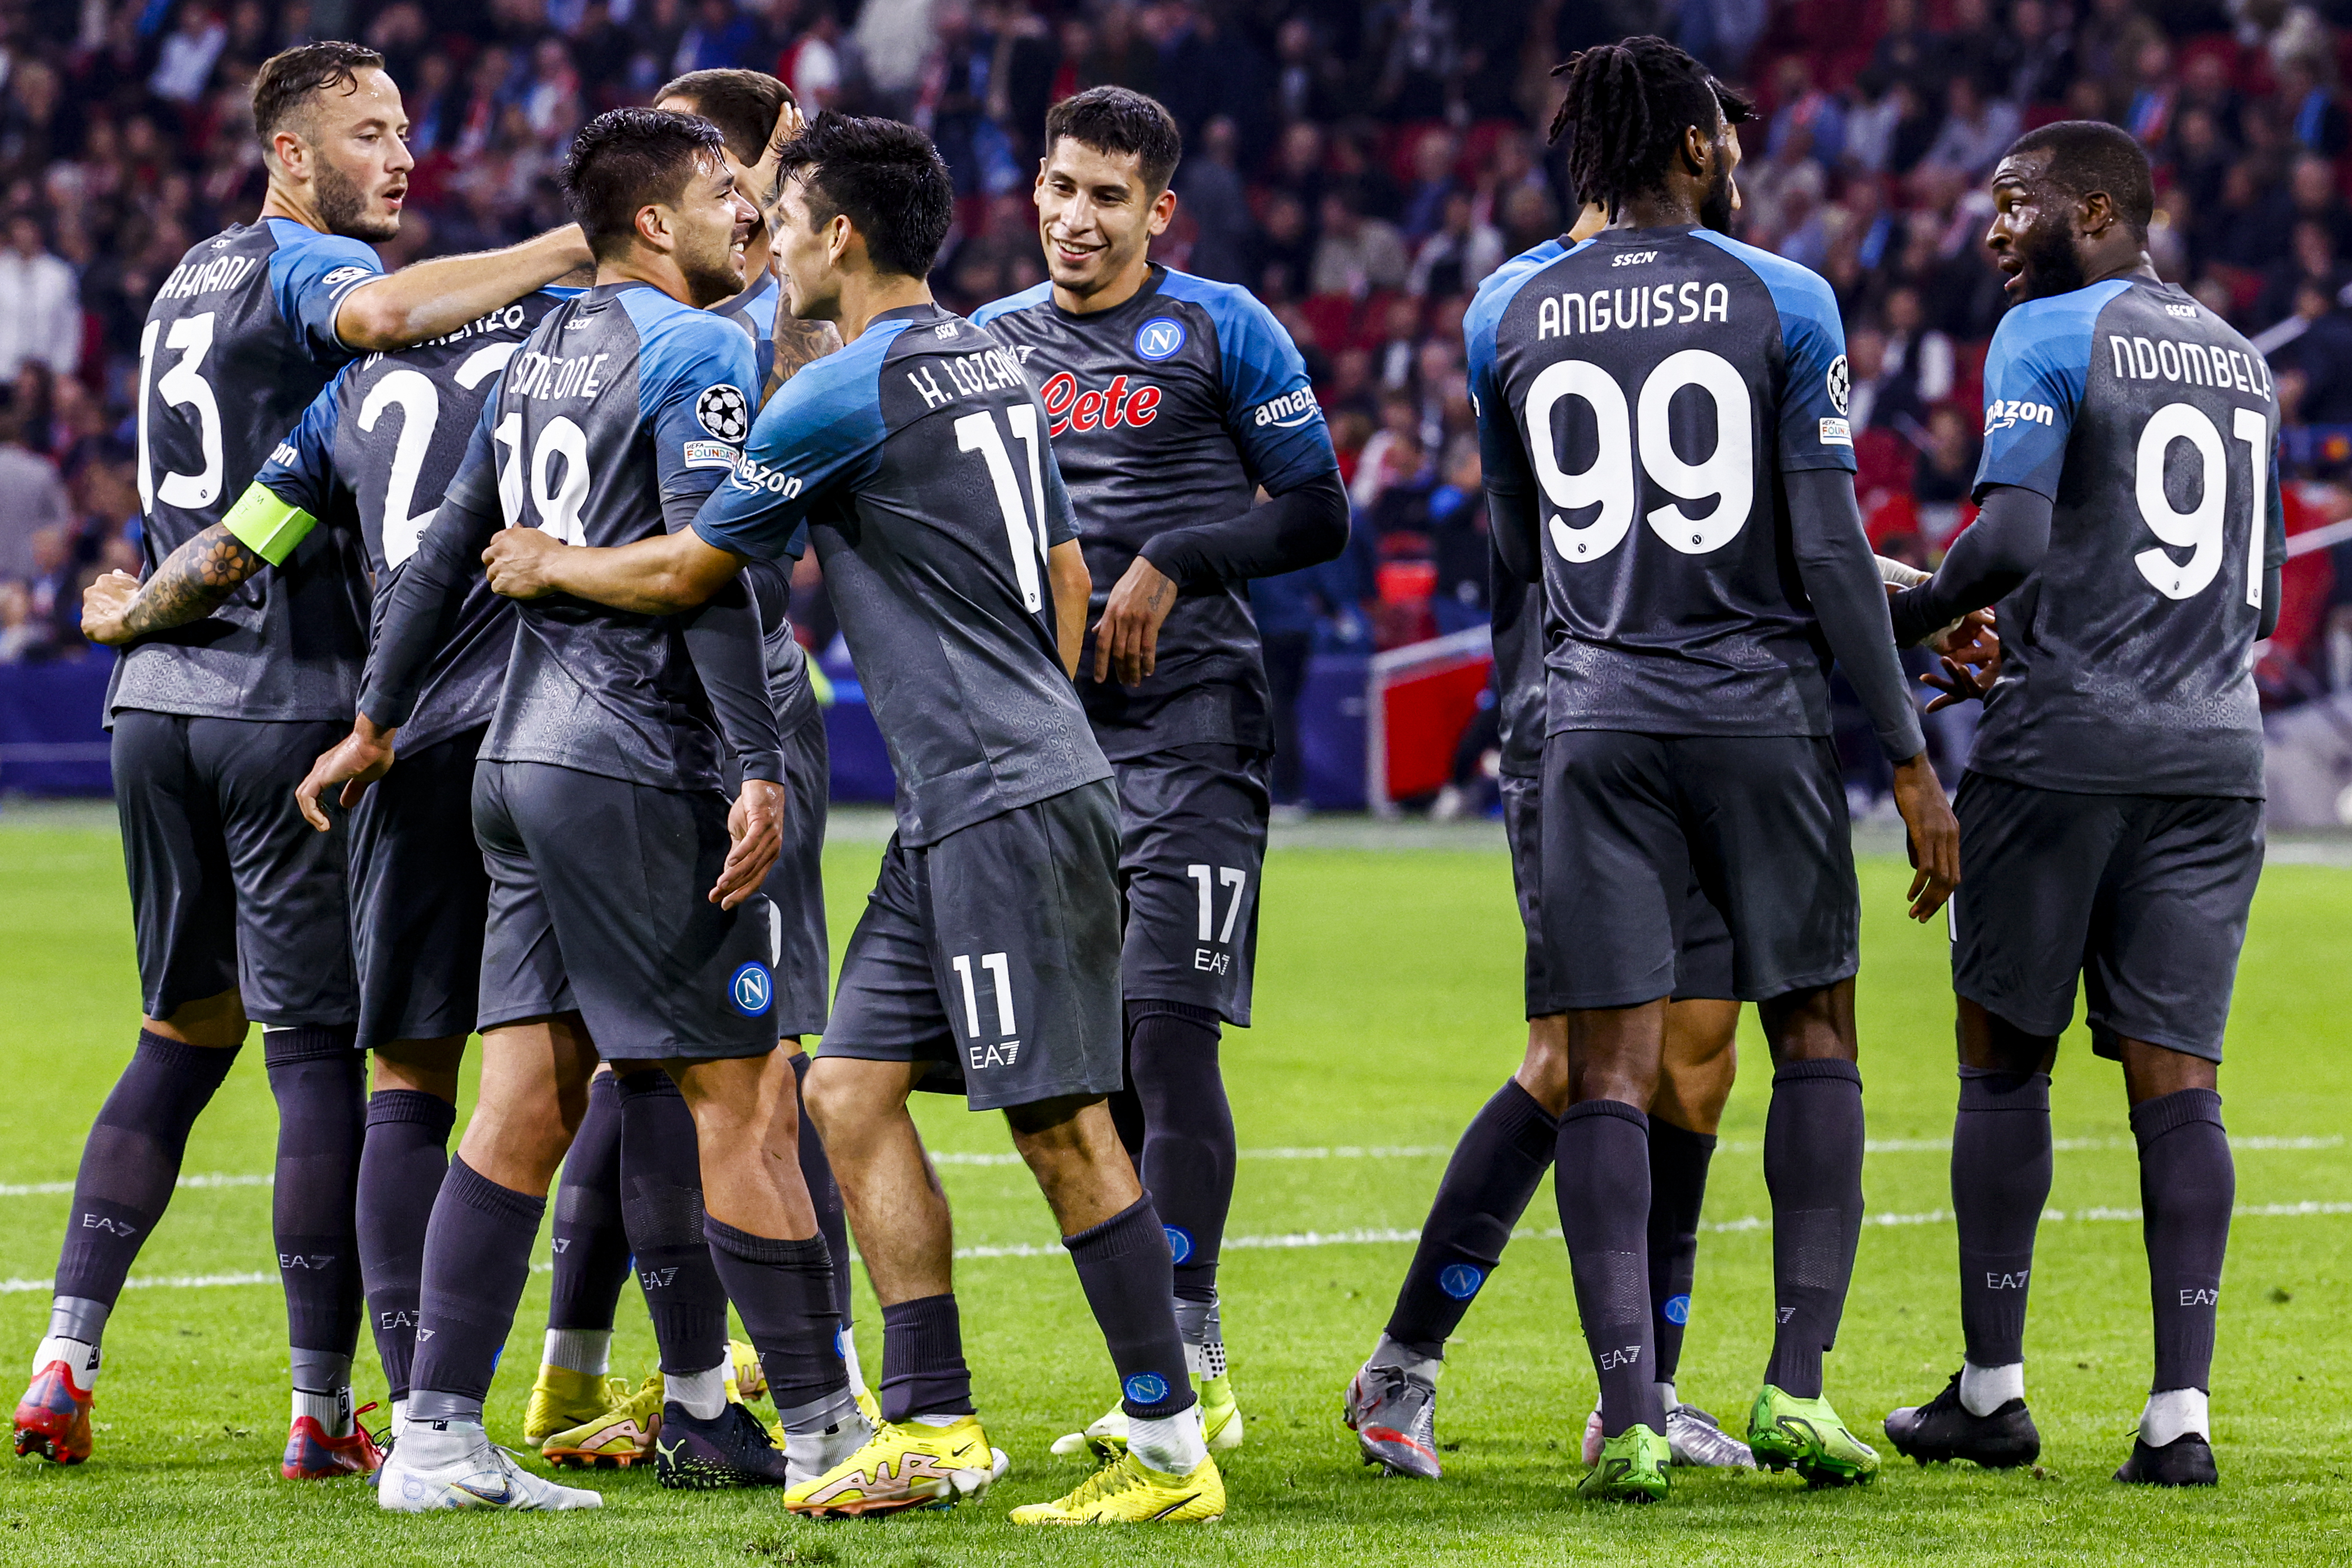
[(1727, 474)]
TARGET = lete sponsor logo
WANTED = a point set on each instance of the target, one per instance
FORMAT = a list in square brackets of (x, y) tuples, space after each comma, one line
[(1071, 407)]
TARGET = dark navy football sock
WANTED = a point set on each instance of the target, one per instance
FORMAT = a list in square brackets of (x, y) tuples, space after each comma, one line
[(1125, 1268), (1678, 1162), (319, 1077), (401, 1168), (592, 1245), (132, 1158), (1601, 1173), (661, 1202), (923, 1370), (1188, 1141), (2188, 1185), (2000, 1179), (824, 1192), (477, 1261), (1812, 1167), (1492, 1175), (784, 1291)]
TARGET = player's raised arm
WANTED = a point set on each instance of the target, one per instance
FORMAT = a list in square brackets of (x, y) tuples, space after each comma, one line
[(427, 298)]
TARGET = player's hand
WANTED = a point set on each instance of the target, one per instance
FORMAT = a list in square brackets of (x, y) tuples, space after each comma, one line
[(756, 824), (104, 605), (358, 761), (1127, 638), (1968, 673), (1934, 835), (520, 559), (759, 179), (1972, 639)]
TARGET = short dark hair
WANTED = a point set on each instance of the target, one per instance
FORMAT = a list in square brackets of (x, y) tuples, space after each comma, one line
[(625, 158), (1117, 120), (886, 177), (742, 104), (288, 81), (1629, 104), (2088, 155)]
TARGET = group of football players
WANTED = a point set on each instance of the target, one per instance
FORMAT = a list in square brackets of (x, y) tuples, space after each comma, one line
[(478, 708)]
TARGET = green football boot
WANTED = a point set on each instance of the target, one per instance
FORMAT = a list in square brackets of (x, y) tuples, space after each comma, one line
[(1633, 1468), (1785, 1432)]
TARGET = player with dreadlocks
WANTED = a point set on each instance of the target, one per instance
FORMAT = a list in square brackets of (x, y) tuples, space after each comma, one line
[(1662, 419)]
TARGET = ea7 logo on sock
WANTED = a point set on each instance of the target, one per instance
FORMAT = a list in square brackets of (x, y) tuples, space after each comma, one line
[(2198, 1296), (1783, 1314), (313, 1261), (422, 1335), (395, 1320), (655, 1278), (1630, 1355), (112, 1226), (1996, 1280), (563, 1244)]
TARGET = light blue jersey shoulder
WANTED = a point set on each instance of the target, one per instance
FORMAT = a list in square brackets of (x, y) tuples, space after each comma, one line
[(2035, 373), (1026, 299), (1495, 296)]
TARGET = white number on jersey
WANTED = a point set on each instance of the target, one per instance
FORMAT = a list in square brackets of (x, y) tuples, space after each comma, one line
[(558, 505), (978, 433), (1727, 474), (181, 386), (2199, 529)]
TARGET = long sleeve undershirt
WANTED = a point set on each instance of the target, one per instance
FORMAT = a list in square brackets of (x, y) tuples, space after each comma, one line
[(1299, 528)]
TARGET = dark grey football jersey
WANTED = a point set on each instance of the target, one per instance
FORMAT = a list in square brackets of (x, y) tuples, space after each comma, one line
[(1647, 390), (916, 458), (614, 421), (754, 312), (1167, 411), (2127, 656), (379, 447), (240, 338), (789, 688)]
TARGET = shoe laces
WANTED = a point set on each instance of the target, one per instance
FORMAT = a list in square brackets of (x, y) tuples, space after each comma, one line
[(1124, 1473)]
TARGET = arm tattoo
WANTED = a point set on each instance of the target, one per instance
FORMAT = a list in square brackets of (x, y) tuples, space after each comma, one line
[(191, 582), (798, 343)]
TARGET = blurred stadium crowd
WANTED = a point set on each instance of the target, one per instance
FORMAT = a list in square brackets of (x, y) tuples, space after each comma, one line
[(1360, 165)]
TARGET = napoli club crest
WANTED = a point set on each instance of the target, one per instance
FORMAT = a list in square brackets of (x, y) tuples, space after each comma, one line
[(1159, 337)]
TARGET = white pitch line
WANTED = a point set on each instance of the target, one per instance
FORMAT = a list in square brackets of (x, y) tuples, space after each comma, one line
[(1360, 1236), (1333, 1151)]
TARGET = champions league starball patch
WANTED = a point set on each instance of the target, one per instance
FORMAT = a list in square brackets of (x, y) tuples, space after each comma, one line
[(722, 411)]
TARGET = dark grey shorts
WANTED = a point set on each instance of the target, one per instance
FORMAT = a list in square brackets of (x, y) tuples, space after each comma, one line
[(419, 896), (599, 904), (1191, 842), (795, 889), (230, 888), (2144, 897), (994, 954), (1631, 821), (1702, 966)]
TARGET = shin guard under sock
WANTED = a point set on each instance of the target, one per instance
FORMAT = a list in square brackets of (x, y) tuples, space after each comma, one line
[(319, 1077), (923, 1370), (824, 1193), (1678, 1162), (1125, 1268), (1601, 1173), (2000, 1180), (661, 1202), (783, 1290), (2188, 1185), (592, 1244), (1492, 1175), (1812, 1167), (131, 1159), (401, 1169), (477, 1261), (1188, 1139)]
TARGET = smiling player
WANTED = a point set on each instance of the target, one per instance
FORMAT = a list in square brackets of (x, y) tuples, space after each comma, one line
[(1174, 401)]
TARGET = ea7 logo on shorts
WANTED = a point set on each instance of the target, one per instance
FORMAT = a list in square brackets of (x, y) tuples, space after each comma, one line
[(2198, 1296), (722, 411), (752, 990), (999, 1055), (1288, 412), (2003, 413), (1627, 1356)]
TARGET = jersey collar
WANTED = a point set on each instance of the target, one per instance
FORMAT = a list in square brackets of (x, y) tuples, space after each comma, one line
[(1152, 279)]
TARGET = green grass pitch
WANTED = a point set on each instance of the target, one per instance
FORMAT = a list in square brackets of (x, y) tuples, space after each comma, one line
[(1387, 1011)]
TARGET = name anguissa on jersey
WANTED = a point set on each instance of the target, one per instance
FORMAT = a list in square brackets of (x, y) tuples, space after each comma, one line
[(1580, 313)]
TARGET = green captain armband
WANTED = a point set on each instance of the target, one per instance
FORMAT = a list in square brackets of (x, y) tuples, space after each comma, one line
[(267, 526)]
